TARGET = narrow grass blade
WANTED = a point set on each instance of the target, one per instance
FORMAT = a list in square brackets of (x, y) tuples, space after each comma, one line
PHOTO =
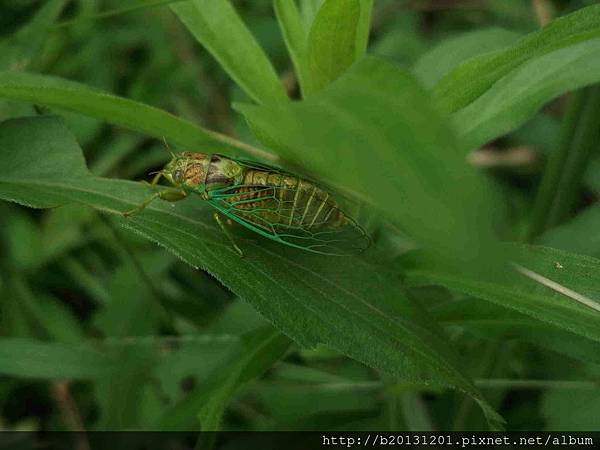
[(217, 26)]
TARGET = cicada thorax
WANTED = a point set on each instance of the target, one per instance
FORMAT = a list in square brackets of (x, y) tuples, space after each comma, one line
[(206, 172), (273, 199)]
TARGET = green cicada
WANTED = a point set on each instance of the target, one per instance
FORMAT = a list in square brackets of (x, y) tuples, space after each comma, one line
[(273, 203)]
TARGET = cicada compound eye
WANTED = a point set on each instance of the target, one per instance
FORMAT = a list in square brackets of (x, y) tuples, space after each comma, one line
[(178, 176)]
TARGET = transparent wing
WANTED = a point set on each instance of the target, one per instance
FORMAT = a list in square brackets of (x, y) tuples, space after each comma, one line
[(305, 217), (256, 165)]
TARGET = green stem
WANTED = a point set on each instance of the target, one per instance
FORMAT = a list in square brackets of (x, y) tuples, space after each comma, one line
[(561, 182)]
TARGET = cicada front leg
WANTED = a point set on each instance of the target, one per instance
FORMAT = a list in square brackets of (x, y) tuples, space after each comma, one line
[(170, 195), (224, 229)]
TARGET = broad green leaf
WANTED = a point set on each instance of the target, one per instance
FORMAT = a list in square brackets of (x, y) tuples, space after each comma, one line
[(580, 235), (30, 358), (515, 98), (239, 318), (349, 304), (309, 10), (129, 298), (56, 92), (17, 51), (572, 409), (495, 322), (592, 175), (24, 244), (217, 26), (402, 44), (257, 351), (119, 367), (260, 350), (373, 133), (474, 77), (516, 290), (294, 36), (195, 361), (541, 133), (27, 358), (451, 52), (119, 397), (332, 40), (82, 278), (303, 398), (51, 317)]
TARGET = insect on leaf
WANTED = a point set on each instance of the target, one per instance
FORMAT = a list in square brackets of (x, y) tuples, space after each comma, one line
[(301, 216)]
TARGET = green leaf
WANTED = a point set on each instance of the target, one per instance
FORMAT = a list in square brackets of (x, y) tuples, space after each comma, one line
[(403, 43), (332, 41), (297, 42), (20, 357), (24, 245), (309, 10), (560, 188), (302, 398), (294, 36), (518, 290), (349, 304), (495, 322), (17, 51), (217, 26), (449, 53), (592, 175), (363, 28), (57, 92), (474, 77), (260, 350), (583, 408), (580, 235), (373, 133), (119, 396), (51, 316), (257, 352), (30, 358), (129, 297), (515, 98)]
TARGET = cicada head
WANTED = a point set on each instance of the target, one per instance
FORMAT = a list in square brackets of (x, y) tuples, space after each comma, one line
[(190, 170)]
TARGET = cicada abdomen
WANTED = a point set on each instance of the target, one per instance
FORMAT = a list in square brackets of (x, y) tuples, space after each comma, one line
[(291, 210)]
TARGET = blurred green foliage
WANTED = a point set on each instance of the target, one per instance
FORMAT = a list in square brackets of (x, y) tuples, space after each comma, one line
[(102, 329)]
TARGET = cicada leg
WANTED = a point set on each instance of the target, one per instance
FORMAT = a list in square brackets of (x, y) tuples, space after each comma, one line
[(169, 195), (222, 225)]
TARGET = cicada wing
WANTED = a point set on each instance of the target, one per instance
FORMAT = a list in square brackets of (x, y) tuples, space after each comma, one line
[(274, 212), (251, 164)]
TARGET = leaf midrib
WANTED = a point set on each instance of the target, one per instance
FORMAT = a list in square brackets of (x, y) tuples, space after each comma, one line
[(437, 362)]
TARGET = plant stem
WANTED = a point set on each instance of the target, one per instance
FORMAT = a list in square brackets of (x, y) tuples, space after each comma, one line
[(561, 182)]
